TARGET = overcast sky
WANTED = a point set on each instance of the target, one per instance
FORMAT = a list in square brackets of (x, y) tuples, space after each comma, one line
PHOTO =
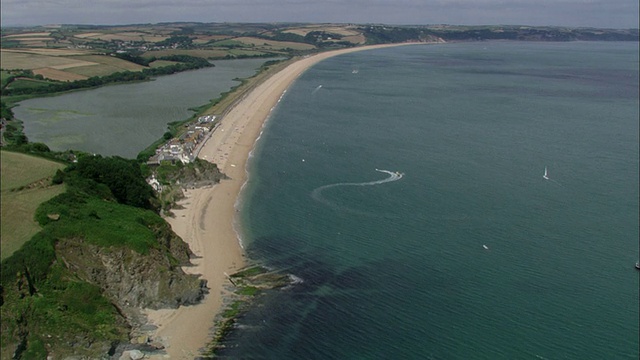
[(590, 13)]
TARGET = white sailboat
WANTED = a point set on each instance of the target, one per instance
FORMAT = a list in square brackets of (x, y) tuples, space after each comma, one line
[(545, 176)]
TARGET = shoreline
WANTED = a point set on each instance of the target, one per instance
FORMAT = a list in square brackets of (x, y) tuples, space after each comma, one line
[(207, 221)]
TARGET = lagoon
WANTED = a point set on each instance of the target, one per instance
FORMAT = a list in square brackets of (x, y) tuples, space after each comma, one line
[(124, 119)]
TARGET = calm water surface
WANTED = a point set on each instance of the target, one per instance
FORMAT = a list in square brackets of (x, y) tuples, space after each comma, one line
[(125, 119), (468, 253)]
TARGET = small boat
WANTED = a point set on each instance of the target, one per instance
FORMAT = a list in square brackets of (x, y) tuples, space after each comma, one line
[(638, 265), (485, 247), (545, 176)]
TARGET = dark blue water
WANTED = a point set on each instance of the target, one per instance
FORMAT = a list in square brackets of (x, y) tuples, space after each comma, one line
[(468, 252)]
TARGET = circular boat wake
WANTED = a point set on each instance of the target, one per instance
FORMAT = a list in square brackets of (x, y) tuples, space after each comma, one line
[(316, 194)]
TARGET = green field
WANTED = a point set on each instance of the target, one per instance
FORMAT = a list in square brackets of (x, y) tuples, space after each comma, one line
[(228, 43), (241, 52), (28, 83), (161, 63), (110, 61), (20, 169), (17, 208), (93, 70)]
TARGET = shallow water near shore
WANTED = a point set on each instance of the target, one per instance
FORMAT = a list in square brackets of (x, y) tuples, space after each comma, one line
[(467, 251)]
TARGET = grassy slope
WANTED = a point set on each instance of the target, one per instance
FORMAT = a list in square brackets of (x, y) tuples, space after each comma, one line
[(17, 208), (20, 169), (19, 60), (56, 309), (28, 83), (99, 222)]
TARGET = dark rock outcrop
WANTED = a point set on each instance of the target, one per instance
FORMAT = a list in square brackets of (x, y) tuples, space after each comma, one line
[(132, 280)]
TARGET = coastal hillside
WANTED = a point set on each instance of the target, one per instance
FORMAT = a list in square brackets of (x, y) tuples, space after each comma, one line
[(26, 183), (100, 251), (76, 288)]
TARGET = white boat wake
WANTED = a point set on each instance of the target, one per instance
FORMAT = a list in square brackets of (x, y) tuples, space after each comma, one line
[(546, 177), (316, 89), (317, 193)]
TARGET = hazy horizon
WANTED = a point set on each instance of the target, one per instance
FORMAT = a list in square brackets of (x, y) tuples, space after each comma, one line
[(616, 14)]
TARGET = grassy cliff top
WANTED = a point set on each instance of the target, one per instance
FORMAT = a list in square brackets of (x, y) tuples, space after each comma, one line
[(26, 183)]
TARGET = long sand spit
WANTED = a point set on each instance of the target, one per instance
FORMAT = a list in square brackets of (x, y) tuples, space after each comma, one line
[(206, 221)]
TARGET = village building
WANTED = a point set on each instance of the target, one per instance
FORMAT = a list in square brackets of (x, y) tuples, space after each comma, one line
[(184, 148)]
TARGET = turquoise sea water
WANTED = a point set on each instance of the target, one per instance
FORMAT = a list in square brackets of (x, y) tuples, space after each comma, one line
[(468, 253)]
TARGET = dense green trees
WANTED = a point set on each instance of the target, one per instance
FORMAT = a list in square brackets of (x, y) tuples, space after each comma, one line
[(386, 35), (136, 59), (283, 36), (182, 41), (11, 131), (122, 177), (5, 111)]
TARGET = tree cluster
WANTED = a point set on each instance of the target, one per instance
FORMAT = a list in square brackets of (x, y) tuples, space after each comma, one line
[(181, 41), (136, 59), (111, 177), (5, 111), (386, 35), (12, 133)]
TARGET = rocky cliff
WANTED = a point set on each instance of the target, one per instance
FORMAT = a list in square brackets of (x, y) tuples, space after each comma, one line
[(89, 305), (132, 280)]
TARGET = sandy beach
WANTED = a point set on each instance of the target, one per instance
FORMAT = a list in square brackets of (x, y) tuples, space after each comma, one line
[(206, 222)]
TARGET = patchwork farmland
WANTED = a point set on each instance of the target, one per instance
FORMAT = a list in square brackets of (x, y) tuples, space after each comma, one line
[(70, 53)]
